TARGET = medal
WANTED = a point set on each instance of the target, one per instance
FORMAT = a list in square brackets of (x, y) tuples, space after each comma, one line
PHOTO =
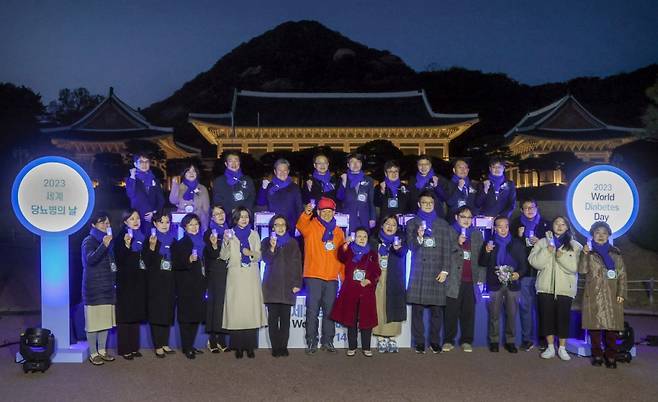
[(165, 265), (392, 203), (383, 262), (239, 196), (329, 246), (461, 203), (467, 255), (612, 274), (428, 242), (361, 197), (359, 275), (189, 208), (113, 266), (141, 264)]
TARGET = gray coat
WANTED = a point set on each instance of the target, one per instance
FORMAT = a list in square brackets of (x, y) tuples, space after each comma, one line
[(457, 263), (427, 263)]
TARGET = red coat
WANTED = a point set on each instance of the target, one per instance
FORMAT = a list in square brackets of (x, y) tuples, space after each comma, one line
[(352, 293)]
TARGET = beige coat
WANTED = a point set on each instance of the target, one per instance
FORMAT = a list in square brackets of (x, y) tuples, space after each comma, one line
[(600, 308), (200, 203), (555, 275), (243, 303)]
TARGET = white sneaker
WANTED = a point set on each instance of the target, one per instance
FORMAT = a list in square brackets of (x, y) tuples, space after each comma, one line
[(447, 347), (562, 353), (549, 353)]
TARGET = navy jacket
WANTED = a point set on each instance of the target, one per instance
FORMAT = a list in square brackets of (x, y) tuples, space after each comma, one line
[(317, 192), (97, 277), (516, 250), (540, 232), (389, 204), (439, 197), (287, 202), (144, 201), (358, 203), (455, 198), (492, 204), (241, 194)]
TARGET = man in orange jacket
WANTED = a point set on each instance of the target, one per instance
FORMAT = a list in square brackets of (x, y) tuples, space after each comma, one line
[(322, 238)]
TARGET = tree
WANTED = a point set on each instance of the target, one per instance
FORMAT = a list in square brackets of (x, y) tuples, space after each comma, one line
[(73, 104), (376, 153), (650, 117), (19, 116), (108, 168)]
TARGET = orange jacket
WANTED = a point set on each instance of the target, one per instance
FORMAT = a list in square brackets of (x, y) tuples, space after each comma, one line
[(318, 261)]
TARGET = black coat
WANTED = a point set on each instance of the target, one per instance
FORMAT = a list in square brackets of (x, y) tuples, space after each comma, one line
[(242, 193), (540, 232), (286, 201), (386, 202), (216, 270), (190, 282), (131, 283), (454, 198), (415, 193), (97, 276), (516, 250), (283, 271), (316, 191), (396, 293), (161, 299), (490, 204)]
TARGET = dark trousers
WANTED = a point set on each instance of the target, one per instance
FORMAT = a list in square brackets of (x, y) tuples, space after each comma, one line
[(511, 301), (244, 339), (188, 332), (278, 321), (218, 338), (366, 335), (320, 293), (610, 343), (418, 324), (528, 308), (462, 310), (160, 335), (554, 315), (127, 338)]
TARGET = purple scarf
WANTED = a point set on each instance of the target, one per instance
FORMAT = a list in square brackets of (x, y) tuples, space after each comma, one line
[(429, 218), (138, 240), (467, 183), (393, 185), (243, 235), (278, 184), (530, 225), (191, 186), (421, 181), (497, 181), (283, 239), (145, 177), (232, 178), (604, 251), (325, 179), (197, 243), (559, 240), (359, 251), (329, 227), (353, 179), (385, 243), (220, 229), (165, 240), (467, 231), (502, 257), (98, 235)]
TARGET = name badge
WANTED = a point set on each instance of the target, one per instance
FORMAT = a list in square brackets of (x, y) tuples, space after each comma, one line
[(359, 275), (239, 196), (165, 265), (392, 202), (383, 262), (467, 255), (428, 242), (612, 274), (189, 208), (329, 246), (113, 266), (141, 264), (461, 203), (362, 197)]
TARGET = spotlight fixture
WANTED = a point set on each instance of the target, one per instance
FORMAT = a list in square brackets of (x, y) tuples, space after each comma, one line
[(36, 347)]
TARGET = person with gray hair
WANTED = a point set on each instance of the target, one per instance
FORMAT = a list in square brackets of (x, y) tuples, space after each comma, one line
[(281, 195)]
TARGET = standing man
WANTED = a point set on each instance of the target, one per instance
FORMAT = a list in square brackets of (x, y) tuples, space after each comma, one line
[(460, 190), (321, 183), (322, 269), (496, 195), (356, 192), (233, 188), (392, 197), (281, 195), (426, 179), (143, 190), (529, 228)]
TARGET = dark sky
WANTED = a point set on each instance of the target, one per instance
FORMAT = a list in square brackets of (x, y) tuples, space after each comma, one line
[(148, 49)]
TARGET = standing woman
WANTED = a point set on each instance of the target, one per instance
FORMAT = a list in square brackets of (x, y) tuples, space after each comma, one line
[(191, 196), (281, 282), (131, 284), (244, 311), (98, 276), (189, 273), (555, 257), (390, 293), (355, 305), (605, 292), (161, 286), (216, 270)]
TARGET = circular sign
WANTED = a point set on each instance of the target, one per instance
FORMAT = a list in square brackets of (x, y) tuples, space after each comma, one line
[(603, 193), (52, 195)]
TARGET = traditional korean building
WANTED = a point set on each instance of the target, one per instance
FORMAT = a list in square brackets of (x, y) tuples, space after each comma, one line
[(108, 127), (564, 125), (260, 122)]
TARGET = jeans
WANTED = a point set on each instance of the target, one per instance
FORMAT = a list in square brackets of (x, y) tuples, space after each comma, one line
[(320, 294), (528, 309)]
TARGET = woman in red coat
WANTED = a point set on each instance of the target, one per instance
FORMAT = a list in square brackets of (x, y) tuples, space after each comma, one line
[(356, 304)]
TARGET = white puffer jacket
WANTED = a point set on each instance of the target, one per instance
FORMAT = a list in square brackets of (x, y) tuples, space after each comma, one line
[(556, 275)]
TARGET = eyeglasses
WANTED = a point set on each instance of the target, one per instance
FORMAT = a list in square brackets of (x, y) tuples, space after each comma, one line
[(279, 225), (218, 214), (465, 217), (428, 203)]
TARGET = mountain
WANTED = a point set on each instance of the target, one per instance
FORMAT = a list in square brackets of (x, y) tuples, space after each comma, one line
[(307, 56)]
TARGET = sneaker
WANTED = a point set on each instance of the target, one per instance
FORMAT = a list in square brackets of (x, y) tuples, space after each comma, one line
[(96, 360), (311, 349), (527, 346), (549, 353), (168, 350), (106, 356), (420, 349), (466, 347), (212, 347), (447, 347), (382, 345), (329, 347), (351, 352), (563, 354), (392, 346), (435, 348), (367, 353), (510, 347)]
